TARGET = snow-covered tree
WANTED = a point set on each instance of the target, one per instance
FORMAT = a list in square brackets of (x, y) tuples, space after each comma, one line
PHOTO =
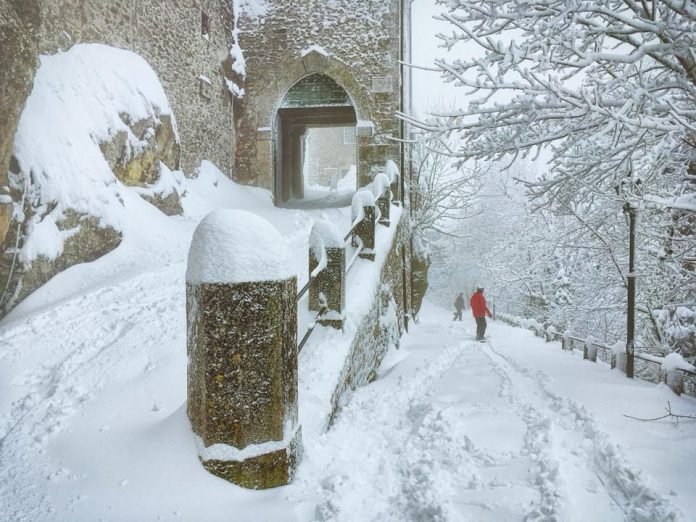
[(441, 196), (605, 92)]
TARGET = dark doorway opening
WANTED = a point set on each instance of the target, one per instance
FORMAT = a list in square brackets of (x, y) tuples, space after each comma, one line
[(315, 150)]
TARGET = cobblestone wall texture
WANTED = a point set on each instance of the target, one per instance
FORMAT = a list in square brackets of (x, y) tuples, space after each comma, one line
[(168, 34), (363, 41)]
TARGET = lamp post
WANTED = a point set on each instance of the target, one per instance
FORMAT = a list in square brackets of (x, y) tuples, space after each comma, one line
[(631, 288)]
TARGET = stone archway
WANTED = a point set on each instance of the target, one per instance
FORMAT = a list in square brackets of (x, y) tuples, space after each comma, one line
[(316, 101)]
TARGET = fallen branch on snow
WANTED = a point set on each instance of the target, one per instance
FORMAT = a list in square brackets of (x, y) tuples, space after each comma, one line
[(669, 414)]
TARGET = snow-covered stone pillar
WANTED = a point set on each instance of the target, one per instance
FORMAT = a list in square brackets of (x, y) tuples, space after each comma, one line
[(672, 371), (589, 350), (242, 348), (392, 172), (382, 194), (363, 208), (566, 341), (618, 356), (327, 268)]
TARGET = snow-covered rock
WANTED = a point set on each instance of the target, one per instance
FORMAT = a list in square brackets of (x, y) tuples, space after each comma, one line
[(97, 134)]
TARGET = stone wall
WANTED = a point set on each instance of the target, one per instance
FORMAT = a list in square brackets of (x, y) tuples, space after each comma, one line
[(167, 33), (357, 43), (192, 68), (18, 61), (383, 325)]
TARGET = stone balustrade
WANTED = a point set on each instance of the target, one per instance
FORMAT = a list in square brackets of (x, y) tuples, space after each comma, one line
[(242, 345)]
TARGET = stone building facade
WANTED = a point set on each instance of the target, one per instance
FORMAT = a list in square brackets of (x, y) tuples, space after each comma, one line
[(352, 48), (356, 43), (170, 36)]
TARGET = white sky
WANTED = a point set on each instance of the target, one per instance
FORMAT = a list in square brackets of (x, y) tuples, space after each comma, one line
[(428, 88)]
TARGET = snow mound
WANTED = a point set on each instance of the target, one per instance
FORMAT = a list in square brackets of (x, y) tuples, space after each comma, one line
[(675, 361), (80, 99), (380, 184), (362, 198), (392, 171), (324, 235), (236, 246)]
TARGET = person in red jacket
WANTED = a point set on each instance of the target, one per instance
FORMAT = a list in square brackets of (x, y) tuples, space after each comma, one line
[(480, 310)]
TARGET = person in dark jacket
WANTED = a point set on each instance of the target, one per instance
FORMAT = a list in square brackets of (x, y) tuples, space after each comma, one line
[(458, 306), (480, 310)]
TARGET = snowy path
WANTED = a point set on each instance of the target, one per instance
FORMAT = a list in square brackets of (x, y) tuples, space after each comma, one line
[(454, 429), (102, 339), (92, 427)]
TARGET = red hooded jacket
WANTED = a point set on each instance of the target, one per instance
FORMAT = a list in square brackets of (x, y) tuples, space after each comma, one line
[(478, 305)]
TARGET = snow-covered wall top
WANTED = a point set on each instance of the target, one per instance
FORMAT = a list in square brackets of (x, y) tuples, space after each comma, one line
[(236, 246)]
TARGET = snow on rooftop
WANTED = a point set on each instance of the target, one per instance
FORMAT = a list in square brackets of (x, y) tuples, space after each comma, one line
[(236, 246)]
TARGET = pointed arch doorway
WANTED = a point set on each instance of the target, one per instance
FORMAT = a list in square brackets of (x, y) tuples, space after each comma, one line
[(315, 144)]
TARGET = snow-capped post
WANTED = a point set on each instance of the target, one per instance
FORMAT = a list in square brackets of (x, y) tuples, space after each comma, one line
[(550, 333), (382, 194), (672, 369), (327, 268), (242, 350), (618, 356), (589, 349), (392, 172), (566, 341), (364, 216)]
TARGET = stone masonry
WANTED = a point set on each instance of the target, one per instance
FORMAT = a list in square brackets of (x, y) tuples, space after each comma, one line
[(192, 67), (358, 43), (168, 34)]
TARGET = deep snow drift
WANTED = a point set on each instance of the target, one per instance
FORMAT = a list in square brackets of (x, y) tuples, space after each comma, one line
[(94, 426)]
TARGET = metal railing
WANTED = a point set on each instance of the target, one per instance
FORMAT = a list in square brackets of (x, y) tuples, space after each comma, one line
[(310, 329), (359, 247), (649, 367)]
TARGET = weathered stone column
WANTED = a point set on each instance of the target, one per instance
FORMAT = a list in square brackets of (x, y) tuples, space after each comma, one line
[(363, 205), (392, 172), (327, 257), (672, 372), (242, 347), (566, 341), (382, 194), (618, 356)]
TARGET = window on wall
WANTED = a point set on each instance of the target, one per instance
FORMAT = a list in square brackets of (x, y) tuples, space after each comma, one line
[(205, 25)]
